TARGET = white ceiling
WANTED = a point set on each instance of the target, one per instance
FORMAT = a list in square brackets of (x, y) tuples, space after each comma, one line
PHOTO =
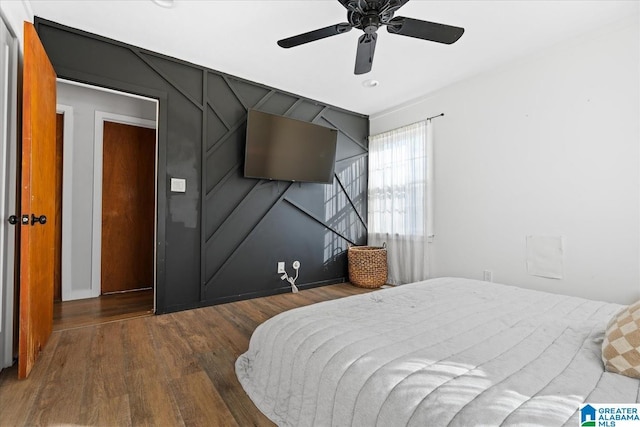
[(239, 38)]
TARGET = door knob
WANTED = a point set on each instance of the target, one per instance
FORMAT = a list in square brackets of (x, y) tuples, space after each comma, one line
[(41, 219), (24, 219)]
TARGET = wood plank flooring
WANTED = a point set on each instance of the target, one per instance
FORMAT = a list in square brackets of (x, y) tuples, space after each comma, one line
[(103, 309), (168, 370)]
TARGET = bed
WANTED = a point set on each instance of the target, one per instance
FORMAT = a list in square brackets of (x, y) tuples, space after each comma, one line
[(445, 351)]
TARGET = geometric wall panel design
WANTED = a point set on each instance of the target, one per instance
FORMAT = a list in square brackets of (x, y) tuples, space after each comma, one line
[(238, 228)]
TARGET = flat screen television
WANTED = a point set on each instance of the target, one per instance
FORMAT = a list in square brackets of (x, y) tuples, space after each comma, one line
[(285, 149)]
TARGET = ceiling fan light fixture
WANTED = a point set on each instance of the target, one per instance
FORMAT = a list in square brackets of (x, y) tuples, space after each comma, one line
[(167, 4)]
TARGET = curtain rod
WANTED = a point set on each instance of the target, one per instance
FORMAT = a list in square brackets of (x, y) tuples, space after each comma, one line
[(428, 118), (419, 121)]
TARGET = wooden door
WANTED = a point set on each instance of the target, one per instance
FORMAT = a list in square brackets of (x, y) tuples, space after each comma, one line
[(128, 207), (37, 201)]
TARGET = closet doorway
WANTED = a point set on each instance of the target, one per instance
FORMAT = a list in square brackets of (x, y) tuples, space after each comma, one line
[(108, 204), (128, 208)]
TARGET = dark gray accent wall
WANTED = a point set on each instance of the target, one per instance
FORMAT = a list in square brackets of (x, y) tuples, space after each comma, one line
[(221, 240)]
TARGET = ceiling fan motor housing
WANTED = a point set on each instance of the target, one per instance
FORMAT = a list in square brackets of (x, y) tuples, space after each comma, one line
[(370, 23)]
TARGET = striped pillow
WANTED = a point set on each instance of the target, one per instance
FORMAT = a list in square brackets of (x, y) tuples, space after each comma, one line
[(621, 345)]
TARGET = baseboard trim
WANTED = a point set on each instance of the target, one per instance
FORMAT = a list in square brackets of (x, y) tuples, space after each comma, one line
[(251, 295)]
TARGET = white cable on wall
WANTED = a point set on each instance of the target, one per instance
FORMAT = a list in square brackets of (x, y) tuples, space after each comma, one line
[(292, 280)]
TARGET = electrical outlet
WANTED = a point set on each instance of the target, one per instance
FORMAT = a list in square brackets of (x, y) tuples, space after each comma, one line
[(281, 267), (487, 276)]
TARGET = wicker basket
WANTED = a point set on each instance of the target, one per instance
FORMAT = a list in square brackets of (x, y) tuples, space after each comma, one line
[(367, 266)]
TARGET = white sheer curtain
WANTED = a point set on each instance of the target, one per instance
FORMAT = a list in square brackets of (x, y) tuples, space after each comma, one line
[(400, 202)]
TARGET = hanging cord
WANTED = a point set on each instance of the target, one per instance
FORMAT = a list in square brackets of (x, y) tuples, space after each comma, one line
[(292, 280)]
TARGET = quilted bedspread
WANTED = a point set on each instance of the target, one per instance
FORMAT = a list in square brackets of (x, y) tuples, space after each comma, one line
[(440, 352)]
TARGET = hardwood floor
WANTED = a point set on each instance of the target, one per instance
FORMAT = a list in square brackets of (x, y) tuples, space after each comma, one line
[(170, 370), (103, 309)]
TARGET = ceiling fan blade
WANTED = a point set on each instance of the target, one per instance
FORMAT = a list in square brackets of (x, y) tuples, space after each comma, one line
[(364, 56), (315, 35), (425, 30)]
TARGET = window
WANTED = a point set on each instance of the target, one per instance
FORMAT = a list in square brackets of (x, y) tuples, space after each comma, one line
[(398, 166)]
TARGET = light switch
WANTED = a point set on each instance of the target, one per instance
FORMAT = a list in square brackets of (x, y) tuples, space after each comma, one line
[(178, 185)]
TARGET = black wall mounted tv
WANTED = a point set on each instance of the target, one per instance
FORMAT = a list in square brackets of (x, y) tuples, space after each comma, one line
[(286, 149)]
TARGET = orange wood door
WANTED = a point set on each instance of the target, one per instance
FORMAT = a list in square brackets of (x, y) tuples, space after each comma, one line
[(37, 198), (128, 207)]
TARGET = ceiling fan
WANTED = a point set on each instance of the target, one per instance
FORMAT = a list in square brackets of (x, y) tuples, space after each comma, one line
[(368, 16)]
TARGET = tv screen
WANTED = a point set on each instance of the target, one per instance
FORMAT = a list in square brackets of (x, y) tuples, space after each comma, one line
[(286, 149)]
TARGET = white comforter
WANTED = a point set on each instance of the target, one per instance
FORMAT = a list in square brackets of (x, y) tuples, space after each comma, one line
[(440, 352)]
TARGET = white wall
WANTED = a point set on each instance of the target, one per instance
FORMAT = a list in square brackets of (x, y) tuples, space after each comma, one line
[(15, 13), (77, 253), (12, 15), (545, 146)]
